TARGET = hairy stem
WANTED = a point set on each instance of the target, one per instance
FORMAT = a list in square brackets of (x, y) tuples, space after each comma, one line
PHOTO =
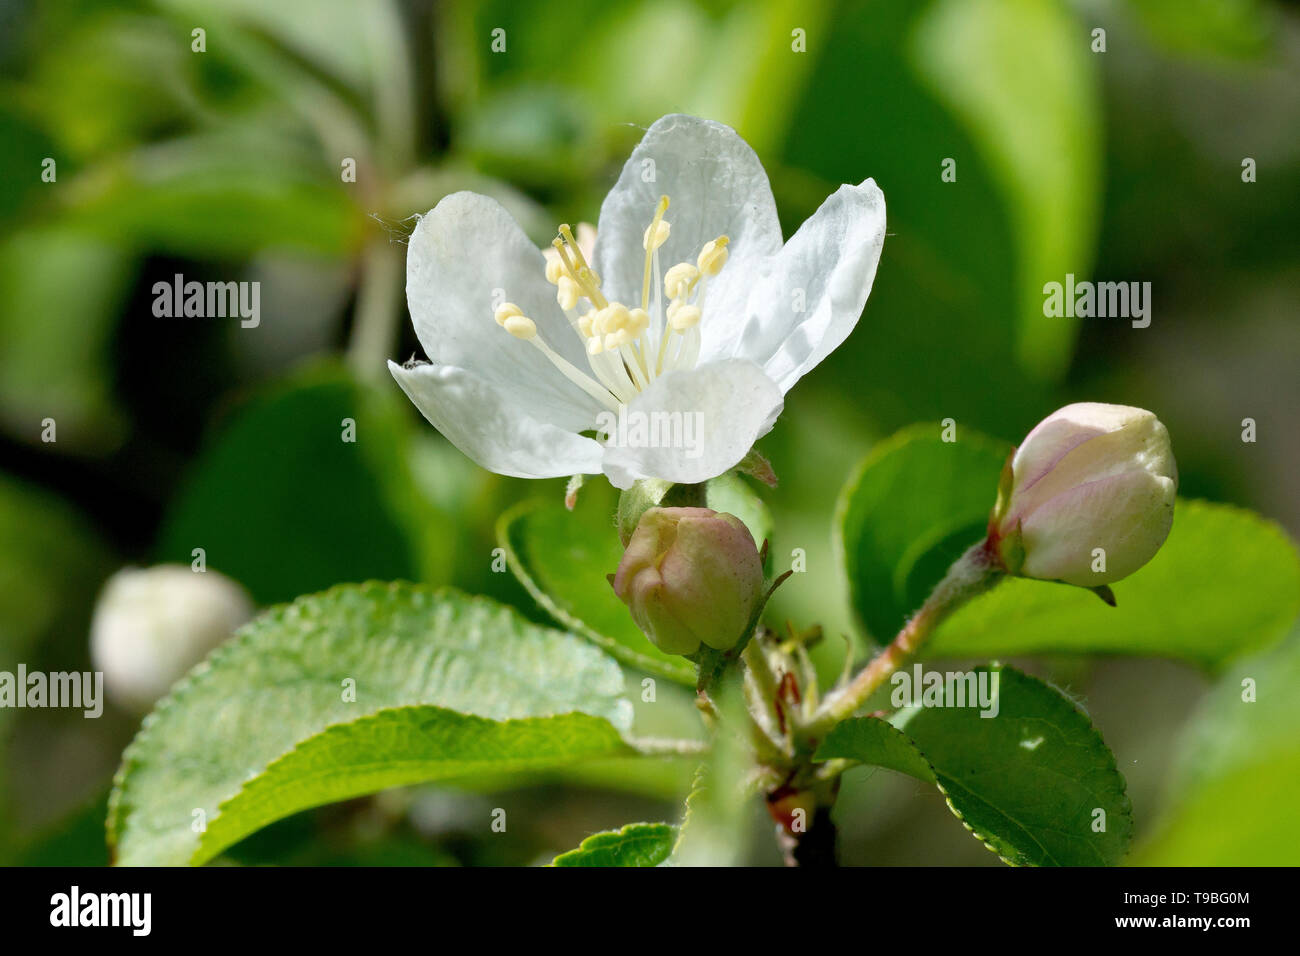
[(972, 574)]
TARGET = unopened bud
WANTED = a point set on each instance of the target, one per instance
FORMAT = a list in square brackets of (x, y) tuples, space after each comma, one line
[(1088, 497), (690, 576), (151, 625)]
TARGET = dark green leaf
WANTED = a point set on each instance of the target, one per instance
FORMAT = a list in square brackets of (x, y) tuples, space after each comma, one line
[(562, 558), (280, 502), (1028, 782), (911, 509)]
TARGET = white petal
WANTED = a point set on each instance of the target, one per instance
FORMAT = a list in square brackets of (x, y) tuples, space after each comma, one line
[(720, 410), (716, 186), (467, 256), (1126, 515), (483, 422), (810, 298)]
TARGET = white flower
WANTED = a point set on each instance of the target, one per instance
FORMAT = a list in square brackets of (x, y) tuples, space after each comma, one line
[(1090, 497), (690, 310), (151, 625)]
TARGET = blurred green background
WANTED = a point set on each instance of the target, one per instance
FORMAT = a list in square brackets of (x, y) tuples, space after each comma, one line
[(226, 165)]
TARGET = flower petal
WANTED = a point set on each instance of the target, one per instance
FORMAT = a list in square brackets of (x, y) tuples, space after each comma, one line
[(483, 422), (810, 298), (1128, 515), (1085, 443), (466, 257), (692, 425), (716, 186)]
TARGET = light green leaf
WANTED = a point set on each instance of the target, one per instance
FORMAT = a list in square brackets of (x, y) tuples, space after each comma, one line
[(562, 558), (1226, 583), (1020, 78), (1028, 782), (637, 844), (59, 290), (1236, 772), (401, 746), (252, 730), (913, 506)]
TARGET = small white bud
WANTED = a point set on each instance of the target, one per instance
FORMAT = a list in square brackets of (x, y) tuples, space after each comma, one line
[(151, 625), (1088, 477)]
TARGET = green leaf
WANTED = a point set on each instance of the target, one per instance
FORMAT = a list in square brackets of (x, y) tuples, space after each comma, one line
[(1226, 583), (953, 258), (637, 844), (1026, 782), (878, 743), (1236, 772), (562, 558), (398, 747), (1019, 76), (313, 509), (59, 291), (220, 197), (913, 506), (253, 731)]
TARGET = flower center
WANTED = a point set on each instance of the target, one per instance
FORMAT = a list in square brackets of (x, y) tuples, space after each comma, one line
[(627, 348)]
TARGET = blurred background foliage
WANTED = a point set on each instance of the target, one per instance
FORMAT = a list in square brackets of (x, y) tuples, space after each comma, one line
[(225, 164)]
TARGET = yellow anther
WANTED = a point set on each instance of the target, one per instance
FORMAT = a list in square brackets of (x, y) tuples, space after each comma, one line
[(595, 345), (681, 317), (638, 321), (680, 279), (661, 230), (521, 327), (554, 266), (580, 261), (580, 273), (585, 322), (505, 310), (618, 339), (713, 256), (613, 318), (653, 233), (567, 293)]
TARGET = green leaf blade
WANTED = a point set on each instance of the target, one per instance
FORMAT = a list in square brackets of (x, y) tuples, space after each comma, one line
[(281, 681), (1027, 782), (910, 510), (562, 557), (399, 747), (637, 844), (1225, 584)]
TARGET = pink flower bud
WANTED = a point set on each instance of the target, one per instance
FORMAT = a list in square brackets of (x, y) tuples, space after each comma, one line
[(690, 576), (1088, 497)]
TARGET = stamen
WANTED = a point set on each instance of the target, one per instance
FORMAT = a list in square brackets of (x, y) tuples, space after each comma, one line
[(581, 275), (713, 256), (680, 279), (655, 236), (575, 376)]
